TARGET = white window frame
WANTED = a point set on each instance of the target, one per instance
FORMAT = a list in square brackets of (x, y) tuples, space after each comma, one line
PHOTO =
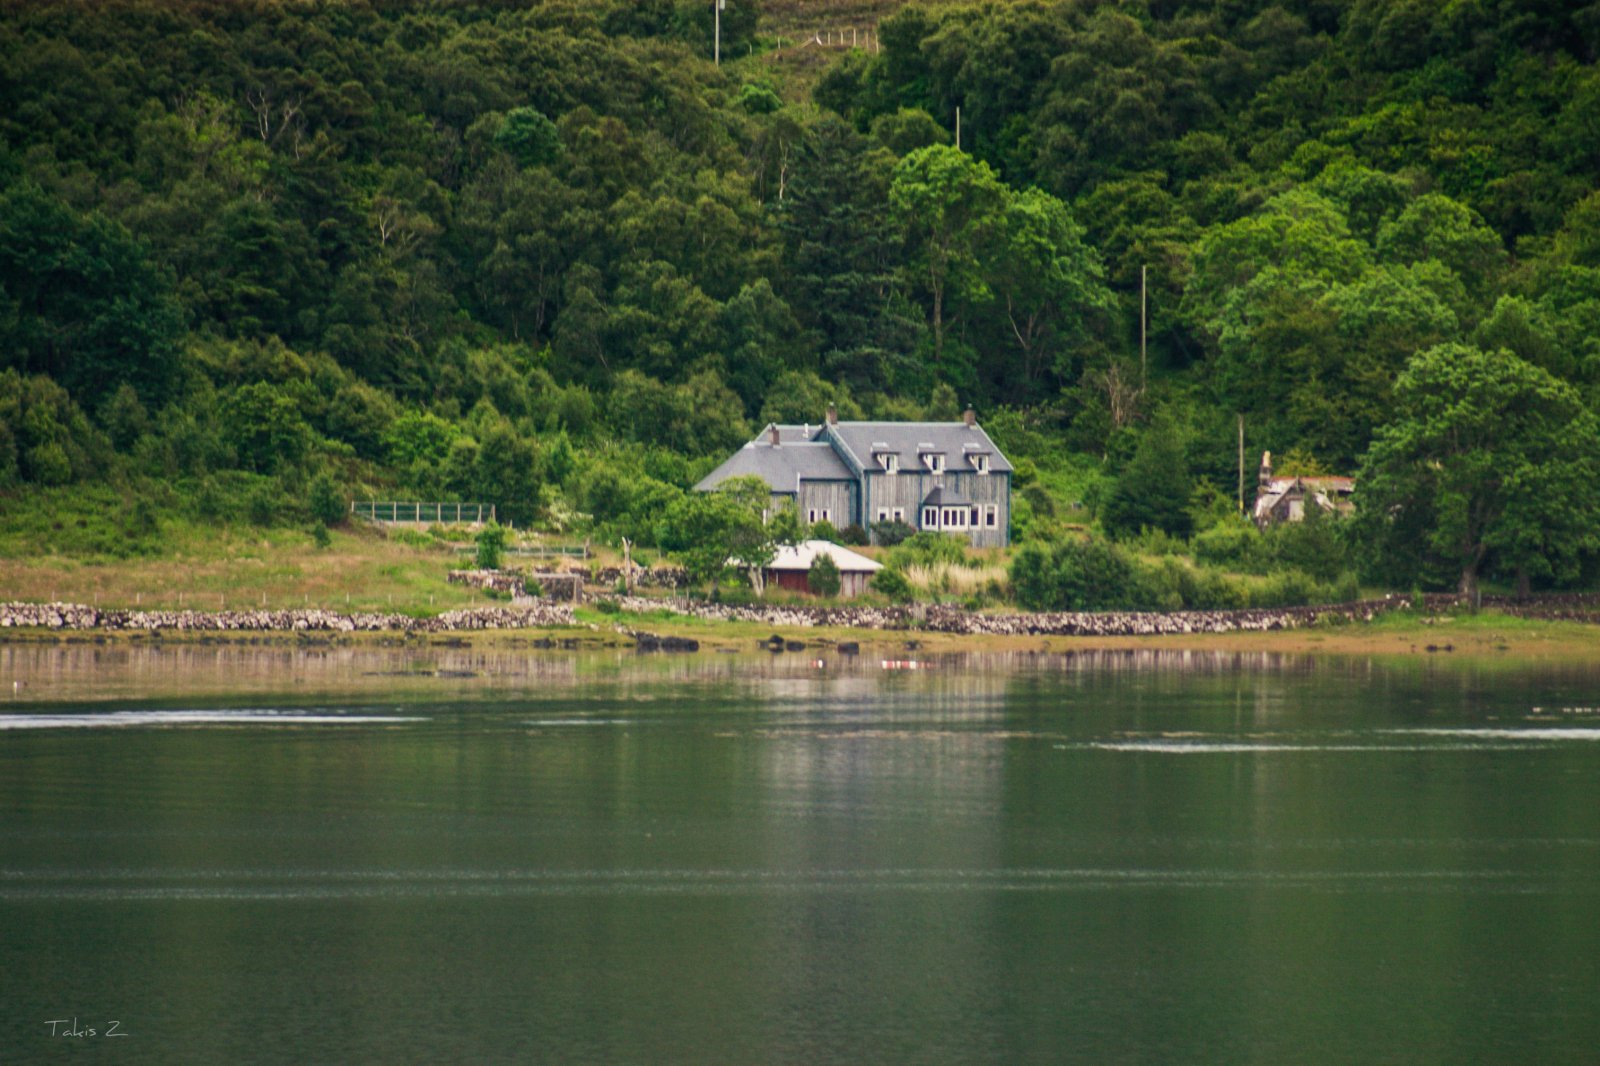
[(883, 514), (953, 518), (930, 518), (890, 461), (934, 461), (991, 516), (980, 462), (819, 514), (898, 514)]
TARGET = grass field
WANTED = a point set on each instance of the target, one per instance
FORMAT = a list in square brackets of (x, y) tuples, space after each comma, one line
[(92, 546)]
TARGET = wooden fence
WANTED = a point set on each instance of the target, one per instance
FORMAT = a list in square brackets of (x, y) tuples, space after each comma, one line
[(419, 513)]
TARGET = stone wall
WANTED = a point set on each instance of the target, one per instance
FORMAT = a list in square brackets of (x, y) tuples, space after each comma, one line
[(643, 577), (507, 581), (1583, 607), (1053, 623), (79, 616)]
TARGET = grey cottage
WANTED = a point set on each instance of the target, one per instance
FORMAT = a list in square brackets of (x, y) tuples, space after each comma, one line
[(946, 477)]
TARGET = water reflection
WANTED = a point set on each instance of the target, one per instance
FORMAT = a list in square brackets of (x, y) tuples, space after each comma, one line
[(1150, 855), (33, 673)]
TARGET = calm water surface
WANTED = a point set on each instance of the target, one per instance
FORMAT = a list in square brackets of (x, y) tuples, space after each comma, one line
[(385, 856)]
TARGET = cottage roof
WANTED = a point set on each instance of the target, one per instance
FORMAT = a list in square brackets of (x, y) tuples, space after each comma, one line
[(909, 440), (801, 556), (781, 466), (1280, 485)]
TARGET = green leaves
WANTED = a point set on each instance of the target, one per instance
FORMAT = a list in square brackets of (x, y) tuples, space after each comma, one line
[(1487, 455), (80, 301), (710, 531), (527, 136)]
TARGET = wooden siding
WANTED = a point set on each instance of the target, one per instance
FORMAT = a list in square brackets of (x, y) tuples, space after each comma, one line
[(838, 498), (907, 490)]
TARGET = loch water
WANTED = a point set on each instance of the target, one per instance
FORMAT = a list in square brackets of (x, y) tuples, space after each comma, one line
[(439, 855)]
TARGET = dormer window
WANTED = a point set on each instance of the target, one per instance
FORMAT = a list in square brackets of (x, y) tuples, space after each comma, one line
[(890, 461), (980, 462), (934, 461)]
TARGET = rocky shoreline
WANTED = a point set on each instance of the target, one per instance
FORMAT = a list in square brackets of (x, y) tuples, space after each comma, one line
[(78, 616), (1581, 607), (942, 619)]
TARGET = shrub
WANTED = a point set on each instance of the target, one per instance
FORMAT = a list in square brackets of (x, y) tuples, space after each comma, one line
[(491, 542), (824, 530), (1314, 544), (325, 500), (823, 578), (411, 537), (1289, 588), (261, 506), (1073, 575), (1232, 542), (891, 583), (1213, 591), (853, 535), (928, 549), (320, 535), (892, 532)]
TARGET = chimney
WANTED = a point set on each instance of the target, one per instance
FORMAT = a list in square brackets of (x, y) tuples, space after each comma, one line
[(969, 416), (833, 415), (1266, 469), (772, 434)]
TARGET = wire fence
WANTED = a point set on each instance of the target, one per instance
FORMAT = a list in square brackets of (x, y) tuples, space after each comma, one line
[(414, 511)]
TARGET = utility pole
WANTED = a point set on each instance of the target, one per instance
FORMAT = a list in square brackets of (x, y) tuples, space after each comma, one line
[(716, 48), (1241, 464), (1144, 318), (958, 129)]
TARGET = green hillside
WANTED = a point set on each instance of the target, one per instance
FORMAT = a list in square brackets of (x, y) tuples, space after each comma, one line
[(257, 255)]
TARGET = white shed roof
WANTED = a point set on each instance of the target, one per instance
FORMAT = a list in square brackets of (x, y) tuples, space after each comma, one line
[(800, 557)]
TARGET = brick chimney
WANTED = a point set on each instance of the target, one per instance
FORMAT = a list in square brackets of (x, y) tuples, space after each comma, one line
[(1266, 469), (969, 416), (833, 415), (772, 434)]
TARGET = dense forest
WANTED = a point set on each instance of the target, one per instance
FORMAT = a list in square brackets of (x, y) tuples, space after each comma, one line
[(260, 256)]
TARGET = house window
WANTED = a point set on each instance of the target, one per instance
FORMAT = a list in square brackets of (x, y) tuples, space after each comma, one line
[(930, 518), (898, 514), (819, 514), (991, 515), (934, 461), (974, 517), (955, 518), (883, 514), (890, 461), (980, 462)]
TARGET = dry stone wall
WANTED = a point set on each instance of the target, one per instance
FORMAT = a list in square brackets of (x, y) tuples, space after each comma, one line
[(1583, 607), (1053, 623), (79, 616)]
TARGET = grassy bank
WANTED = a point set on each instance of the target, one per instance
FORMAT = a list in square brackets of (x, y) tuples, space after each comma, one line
[(70, 552), (88, 547)]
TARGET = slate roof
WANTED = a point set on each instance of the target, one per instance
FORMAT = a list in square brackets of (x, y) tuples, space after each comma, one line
[(783, 466), (800, 556), (943, 497), (954, 440)]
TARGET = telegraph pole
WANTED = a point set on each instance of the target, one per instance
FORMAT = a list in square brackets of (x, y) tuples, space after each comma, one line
[(716, 48), (1144, 317), (1241, 464)]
